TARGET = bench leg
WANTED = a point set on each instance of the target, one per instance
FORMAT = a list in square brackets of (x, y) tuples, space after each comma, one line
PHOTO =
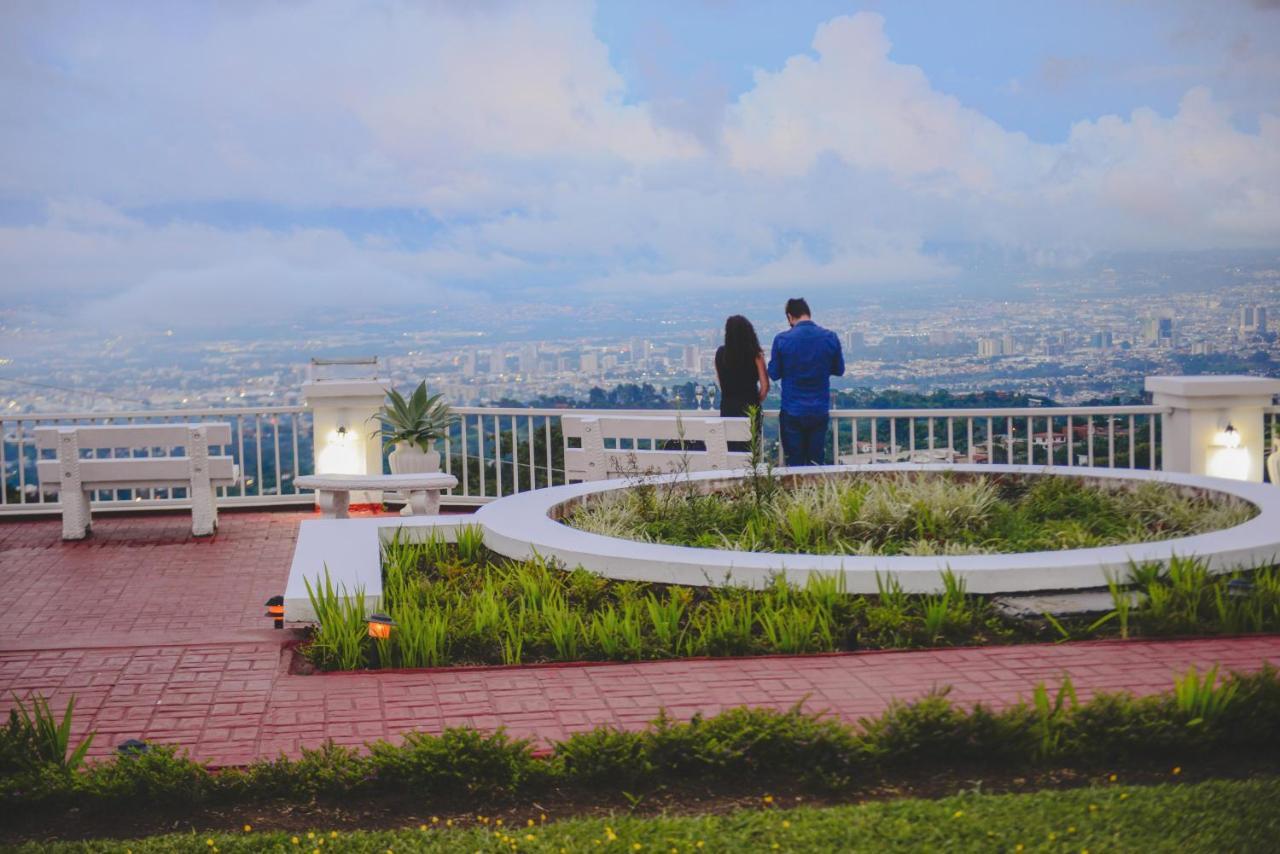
[(76, 519), (424, 502), (204, 498), (333, 503), (204, 511)]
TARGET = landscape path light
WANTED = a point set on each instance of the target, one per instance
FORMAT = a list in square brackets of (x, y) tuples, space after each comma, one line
[(1239, 588), (275, 610), (380, 626)]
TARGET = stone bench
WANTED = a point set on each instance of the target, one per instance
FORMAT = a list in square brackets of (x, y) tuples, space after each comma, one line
[(609, 446), (75, 477), (422, 491)]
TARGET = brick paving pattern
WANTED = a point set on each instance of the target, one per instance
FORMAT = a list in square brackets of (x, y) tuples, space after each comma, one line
[(160, 636)]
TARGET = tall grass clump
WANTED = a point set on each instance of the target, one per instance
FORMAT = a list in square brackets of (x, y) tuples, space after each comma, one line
[(927, 513)]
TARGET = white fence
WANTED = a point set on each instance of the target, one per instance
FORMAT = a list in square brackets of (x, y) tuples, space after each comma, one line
[(498, 451)]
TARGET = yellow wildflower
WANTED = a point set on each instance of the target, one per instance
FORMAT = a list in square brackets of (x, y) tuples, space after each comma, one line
[(768, 799), (248, 827), (1112, 778), (209, 842), (333, 834), (1093, 807), (786, 823), (296, 840), (529, 837), (1177, 769), (957, 814), (498, 822), (435, 819)]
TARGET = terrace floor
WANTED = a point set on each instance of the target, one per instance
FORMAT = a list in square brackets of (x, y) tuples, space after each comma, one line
[(162, 637)]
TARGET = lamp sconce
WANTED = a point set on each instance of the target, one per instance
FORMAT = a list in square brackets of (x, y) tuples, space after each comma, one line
[(1228, 457)]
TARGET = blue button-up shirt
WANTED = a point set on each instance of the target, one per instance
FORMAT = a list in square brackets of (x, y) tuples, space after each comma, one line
[(805, 358)]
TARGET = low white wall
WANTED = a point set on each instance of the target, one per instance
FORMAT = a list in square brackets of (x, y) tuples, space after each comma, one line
[(521, 525)]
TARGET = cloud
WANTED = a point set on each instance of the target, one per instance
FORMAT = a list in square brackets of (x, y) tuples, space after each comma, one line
[(506, 128)]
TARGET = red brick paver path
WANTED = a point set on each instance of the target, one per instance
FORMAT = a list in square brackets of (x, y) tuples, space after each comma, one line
[(162, 637)]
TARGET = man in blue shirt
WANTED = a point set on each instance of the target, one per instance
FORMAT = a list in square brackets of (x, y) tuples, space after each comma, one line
[(804, 359)]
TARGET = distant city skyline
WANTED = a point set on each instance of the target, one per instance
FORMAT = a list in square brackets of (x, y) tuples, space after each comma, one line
[(169, 165)]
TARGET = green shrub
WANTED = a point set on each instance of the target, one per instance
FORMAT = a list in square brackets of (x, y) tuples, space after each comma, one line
[(457, 762)]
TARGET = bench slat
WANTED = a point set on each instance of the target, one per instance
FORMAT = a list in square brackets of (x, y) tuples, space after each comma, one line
[(660, 428), (149, 471), (133, 435)]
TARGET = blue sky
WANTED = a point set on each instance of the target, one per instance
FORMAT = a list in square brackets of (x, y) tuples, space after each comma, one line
[(287, 153)]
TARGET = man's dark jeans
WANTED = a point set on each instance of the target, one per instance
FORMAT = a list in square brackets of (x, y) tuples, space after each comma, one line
[(804, 438)]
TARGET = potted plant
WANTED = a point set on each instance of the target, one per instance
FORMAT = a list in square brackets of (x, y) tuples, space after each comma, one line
[(412, 425)]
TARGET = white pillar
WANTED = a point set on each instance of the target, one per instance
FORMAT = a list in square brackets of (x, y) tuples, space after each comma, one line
[(341, 413), (1194, 437)]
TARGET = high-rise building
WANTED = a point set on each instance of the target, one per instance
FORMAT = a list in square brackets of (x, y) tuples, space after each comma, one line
[(591, 362), (854, 340), (1008, 345), (1102, 340), (1157, 331), (529, 359), (692, 357), (469, 363), (990, 347), (1253, 319), (639, 352)]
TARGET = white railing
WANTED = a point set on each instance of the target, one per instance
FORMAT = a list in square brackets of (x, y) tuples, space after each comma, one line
[(497, 451), (272, 445)]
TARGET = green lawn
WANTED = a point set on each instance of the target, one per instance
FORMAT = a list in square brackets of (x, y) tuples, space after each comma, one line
[(1214, 816)]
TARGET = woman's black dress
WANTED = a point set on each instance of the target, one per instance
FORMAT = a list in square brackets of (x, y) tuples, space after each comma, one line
[(738, 386), (739, 389)]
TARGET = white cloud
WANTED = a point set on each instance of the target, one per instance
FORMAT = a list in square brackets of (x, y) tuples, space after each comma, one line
[(507, 125)]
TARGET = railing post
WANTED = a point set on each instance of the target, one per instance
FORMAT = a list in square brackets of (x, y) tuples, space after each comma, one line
[(1198, 412), (341, 411)]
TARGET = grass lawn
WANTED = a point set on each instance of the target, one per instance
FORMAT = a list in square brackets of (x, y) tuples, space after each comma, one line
[(1212, 816)]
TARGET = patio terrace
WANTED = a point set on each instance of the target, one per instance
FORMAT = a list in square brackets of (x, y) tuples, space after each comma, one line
[(162, 637)]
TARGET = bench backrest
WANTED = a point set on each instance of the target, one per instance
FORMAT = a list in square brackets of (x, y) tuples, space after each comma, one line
[(598, 447), (133, 436)]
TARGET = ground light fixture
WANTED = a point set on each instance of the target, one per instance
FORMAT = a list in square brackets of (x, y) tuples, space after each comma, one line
[(1239, 588), (380, 626), (132, 747), (275, 610)]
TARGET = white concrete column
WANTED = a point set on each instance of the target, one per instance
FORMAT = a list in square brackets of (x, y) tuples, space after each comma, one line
[(1195, 438), (341, 412)]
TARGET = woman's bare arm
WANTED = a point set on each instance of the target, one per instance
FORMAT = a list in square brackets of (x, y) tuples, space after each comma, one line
[(764, 377)]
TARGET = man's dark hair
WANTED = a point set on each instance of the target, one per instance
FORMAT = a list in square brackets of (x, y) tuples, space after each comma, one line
[(797, 307)]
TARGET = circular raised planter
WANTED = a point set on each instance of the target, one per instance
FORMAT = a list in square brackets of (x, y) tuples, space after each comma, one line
[(526, 525)]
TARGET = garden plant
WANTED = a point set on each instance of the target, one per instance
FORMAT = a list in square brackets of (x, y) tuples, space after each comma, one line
[(919, 513), (461, 604)]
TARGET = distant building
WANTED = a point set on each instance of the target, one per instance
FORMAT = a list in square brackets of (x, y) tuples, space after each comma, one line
[(1157, 331), (1201, 348), (854, 340), (639, 351), (692, 357), (469, 363), (989, 348), (591, 362), (1102, 340), (529, 359), (1253, 320)]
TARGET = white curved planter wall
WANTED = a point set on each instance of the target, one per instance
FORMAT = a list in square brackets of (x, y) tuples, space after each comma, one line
[(521, 526)]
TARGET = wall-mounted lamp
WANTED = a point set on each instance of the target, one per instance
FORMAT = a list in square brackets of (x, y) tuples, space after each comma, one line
[(1227, 456)]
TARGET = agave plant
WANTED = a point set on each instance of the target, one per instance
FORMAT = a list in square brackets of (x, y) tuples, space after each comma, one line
[(417, 420)]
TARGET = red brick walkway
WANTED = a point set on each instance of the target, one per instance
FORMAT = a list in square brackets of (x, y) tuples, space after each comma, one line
[(161, 637)]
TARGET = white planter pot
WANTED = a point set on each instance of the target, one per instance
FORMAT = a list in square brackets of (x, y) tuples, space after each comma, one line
[(407, 458)]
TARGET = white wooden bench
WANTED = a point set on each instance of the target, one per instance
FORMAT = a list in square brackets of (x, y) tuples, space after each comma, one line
[(422, 491), (75, 477), (617, 445)]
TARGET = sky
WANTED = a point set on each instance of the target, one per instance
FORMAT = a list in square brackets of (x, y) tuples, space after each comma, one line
[(167, 164)]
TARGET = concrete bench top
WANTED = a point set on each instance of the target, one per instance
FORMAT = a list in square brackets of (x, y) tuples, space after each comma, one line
[(426, 480)]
